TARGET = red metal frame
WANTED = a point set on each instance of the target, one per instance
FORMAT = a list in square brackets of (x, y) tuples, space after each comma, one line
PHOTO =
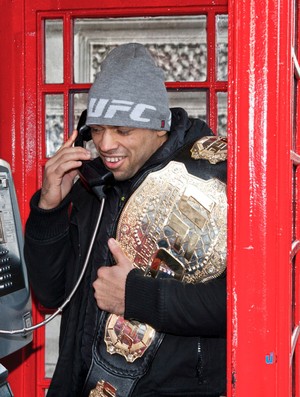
[(12, 142), (260, 221), (296, 306)]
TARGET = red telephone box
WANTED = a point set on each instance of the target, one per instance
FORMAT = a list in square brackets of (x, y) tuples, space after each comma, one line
[(43, 92)]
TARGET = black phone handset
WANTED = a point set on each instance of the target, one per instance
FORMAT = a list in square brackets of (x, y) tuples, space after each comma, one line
[(84, 131), (93, 174), (97, 179)]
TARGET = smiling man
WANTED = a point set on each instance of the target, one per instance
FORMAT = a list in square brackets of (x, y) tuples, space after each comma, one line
[(124, 150), (149, 316)]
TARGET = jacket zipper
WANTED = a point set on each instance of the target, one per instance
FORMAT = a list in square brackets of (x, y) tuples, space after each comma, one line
[(199, 362)]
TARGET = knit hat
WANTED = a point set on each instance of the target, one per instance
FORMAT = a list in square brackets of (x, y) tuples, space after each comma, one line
[(129, 91)]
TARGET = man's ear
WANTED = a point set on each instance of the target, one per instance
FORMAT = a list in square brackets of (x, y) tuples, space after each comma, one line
[(161, 133)]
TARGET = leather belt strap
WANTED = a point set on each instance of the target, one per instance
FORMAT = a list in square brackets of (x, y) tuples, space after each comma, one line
[(110, 375)]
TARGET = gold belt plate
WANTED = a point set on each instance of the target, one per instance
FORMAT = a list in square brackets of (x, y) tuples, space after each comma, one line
[(127, 338), (184, 217)]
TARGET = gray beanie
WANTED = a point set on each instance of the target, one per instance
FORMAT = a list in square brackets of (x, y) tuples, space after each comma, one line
[(129, 91)]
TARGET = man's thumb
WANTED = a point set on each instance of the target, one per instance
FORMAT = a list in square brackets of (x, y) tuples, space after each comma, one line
[(115, 249)]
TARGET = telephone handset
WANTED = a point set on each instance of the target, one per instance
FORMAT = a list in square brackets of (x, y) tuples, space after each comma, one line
[(92, 173), (15, 300), (84, 131)]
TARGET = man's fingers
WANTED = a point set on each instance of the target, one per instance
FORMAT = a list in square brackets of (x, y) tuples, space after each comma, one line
[(60, 171), (68, 153), (70, 141)]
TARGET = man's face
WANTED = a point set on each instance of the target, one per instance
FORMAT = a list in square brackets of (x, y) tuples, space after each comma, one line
[(124, 150)]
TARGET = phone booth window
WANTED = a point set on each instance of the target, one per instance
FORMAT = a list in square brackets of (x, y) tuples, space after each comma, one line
[(180, 45), (192, 50)]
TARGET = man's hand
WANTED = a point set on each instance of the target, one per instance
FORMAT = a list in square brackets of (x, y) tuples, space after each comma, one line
[(110, 284), (60, 172)]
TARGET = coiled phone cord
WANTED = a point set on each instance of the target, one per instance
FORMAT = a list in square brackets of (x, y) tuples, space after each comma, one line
[(26, 330)]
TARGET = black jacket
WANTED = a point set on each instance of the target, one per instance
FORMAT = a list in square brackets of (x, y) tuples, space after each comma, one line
[(191, 361)]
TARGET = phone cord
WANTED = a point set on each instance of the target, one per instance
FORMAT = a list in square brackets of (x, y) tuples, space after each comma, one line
[(60, 309)]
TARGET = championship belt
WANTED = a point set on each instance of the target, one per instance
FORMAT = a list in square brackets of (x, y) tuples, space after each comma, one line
[(174, 225)]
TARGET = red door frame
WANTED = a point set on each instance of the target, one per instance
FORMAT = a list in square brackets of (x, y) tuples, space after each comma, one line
[(12, 144), (260, 177), (260, 221)]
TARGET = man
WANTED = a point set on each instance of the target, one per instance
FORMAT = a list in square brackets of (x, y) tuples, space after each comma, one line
[(124, 333)]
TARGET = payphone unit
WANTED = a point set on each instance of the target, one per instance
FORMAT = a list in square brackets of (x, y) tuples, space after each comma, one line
[(15, 301)]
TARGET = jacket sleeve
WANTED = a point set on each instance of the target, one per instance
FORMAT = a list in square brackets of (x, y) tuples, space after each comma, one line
[(177, 308), (47, 250)]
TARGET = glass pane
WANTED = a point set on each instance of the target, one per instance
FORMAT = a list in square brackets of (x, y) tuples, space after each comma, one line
[(51, 345), (193, 101), (80, 104), (54, 123), (54, 51), (222, 47), (179, 44), (222, 113)]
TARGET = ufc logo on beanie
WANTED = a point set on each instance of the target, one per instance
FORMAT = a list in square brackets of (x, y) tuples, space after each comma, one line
[(108, 108)]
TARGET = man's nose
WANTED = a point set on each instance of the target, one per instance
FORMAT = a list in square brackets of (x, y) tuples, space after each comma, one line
[(107, 140)]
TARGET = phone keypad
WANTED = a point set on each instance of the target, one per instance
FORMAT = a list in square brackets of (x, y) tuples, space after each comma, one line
[(11, 275)]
